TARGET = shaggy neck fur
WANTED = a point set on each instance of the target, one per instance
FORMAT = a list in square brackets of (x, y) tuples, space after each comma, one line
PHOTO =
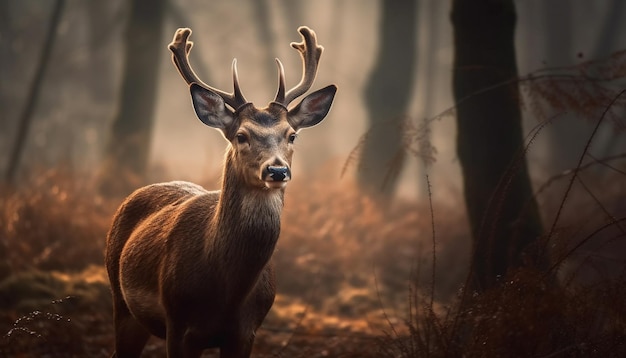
[(247, 226)]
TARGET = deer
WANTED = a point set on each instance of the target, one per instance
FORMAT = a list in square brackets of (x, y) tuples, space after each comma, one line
[(192, 266)]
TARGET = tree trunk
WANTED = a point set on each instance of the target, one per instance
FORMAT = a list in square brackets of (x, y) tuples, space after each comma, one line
[(127, 152), (387, 96), (267, 40), (32, 97), (100, 54), (503, 216)]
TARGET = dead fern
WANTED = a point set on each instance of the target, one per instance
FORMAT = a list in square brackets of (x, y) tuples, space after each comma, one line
[(415, 141), (585, 89)]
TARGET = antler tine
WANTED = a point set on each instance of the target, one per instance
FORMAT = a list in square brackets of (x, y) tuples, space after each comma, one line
[(181, 47), (280, 95), (310, 52), (238, 96)]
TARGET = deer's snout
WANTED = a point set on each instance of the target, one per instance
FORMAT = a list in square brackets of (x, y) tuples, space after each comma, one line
[(278, 173), (276, 176)]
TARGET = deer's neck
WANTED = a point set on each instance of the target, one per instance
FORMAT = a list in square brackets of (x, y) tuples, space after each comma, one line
[(246, 226)]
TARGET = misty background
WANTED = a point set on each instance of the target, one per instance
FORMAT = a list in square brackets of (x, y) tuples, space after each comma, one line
[(524, 259), (81, 86)]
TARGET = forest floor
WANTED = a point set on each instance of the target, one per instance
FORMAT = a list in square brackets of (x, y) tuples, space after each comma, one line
[(355, 279), (69, 315)]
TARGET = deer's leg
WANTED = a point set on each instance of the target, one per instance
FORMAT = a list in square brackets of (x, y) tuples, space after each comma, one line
[(130, 335), (237, 347), (178, 344)]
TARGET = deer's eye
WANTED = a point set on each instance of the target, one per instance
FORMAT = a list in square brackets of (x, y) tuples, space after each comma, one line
[(241, 138), (292, 137)]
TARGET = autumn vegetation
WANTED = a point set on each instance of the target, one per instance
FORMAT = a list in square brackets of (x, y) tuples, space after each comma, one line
[(354, 280)]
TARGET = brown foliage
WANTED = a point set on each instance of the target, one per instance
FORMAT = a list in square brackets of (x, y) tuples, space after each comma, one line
[(341, 257), (334, 243), (53, 221), (585, 89)]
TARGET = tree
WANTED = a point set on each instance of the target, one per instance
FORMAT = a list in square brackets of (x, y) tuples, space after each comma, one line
[(128, 147), (34, 91), (503, 215), (560, 52), (387, 96)]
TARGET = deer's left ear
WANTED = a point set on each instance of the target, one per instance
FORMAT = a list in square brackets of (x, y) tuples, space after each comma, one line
[(312, 109), (210, 108)]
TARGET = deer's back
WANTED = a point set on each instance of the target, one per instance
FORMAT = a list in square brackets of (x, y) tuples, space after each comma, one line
[(149, 211)]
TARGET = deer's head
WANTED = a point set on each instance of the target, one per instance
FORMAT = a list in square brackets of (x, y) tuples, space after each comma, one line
[(261, 139)]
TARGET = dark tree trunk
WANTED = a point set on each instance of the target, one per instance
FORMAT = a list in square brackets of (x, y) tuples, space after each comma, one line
[(127, 152), (504, 218), (387, 96)]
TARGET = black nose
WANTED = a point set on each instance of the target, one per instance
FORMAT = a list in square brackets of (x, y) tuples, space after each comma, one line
[(278, 173)]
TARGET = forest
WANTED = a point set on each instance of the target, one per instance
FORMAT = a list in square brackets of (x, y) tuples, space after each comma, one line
[(464, 197)]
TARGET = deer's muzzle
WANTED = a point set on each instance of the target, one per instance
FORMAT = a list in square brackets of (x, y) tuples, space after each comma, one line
[(276, 176)]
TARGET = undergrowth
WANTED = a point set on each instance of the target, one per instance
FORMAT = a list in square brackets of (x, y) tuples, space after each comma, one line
[(347, 257), (53, 227), (53, 221), (573, 307)]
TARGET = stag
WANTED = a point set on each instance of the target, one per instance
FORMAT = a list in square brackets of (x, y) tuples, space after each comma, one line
[(193, 266)]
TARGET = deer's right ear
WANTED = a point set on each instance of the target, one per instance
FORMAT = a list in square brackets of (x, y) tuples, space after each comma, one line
[(210, 108), (312, 109)]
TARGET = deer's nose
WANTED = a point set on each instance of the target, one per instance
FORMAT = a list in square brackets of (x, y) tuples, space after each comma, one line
[(278, 173)]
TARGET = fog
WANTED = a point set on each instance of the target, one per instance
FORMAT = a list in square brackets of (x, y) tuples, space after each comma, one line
[(71, 119)]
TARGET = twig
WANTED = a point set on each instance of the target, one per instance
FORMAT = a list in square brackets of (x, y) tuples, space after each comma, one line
[(579, 165), (561, 175), (434, 238)]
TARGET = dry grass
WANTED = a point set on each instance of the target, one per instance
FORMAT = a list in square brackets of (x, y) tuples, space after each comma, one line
[(343, 259), (334, 244), (529, 313), (53, 221)]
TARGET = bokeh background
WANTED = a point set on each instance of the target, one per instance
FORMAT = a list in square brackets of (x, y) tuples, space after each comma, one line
[(377, 191)]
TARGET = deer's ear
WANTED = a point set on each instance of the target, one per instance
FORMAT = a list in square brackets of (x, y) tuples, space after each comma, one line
[(312, 109), (210, 108)]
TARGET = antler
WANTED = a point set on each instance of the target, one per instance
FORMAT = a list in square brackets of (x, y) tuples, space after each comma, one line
[(180, 47), (310, 52)]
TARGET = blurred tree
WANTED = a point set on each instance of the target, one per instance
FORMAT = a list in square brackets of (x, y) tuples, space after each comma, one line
[(387, 97), (127, 151), (267, 40), (559, 49), (608, 40), (295, 13), (99, 49), (177, 15), (32, 97), (503, 215)]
